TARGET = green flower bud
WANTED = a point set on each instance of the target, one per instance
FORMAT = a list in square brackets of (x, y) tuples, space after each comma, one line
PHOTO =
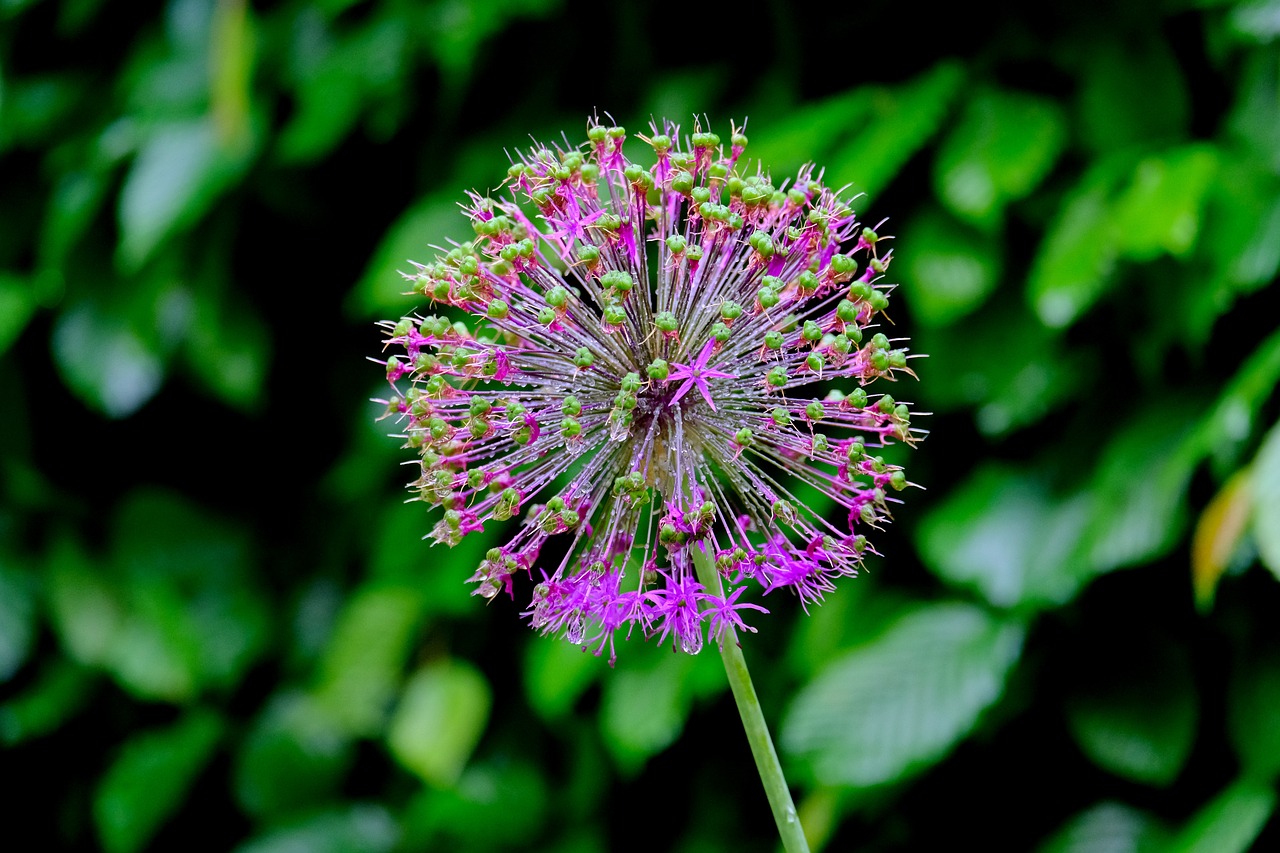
[(618, 280), (557, 296), (614, 315), (843, 265)]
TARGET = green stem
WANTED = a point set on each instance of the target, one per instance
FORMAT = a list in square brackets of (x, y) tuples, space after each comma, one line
[(767, 765)]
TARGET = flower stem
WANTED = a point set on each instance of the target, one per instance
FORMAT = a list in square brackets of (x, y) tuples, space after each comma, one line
[(744, 694)]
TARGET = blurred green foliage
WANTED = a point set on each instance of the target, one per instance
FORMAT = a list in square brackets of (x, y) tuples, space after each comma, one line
[(217, 618)]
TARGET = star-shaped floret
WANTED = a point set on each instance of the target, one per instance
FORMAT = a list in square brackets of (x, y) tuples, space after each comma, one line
[(696, 373)]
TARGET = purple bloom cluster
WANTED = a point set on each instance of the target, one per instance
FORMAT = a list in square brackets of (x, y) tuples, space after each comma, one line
[(630, 380)]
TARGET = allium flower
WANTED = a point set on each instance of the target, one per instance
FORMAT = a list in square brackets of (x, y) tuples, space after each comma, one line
[(654, 355)]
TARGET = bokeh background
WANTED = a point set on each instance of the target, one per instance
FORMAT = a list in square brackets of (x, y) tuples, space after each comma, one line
[(219, 624)]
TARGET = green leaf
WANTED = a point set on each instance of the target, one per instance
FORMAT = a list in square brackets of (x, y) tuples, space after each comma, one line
[(153, 654), (433, 221), (461, 31), (60, 691), (1241, 233), (809, 132), (1136, 717), (17, 305), (1256, 21), (329, 94), (1005, 534), (1228, 429), (1132, 92), (361, 669), (898, 704), (1230, 822), (900, 122), (1139, 487), (857, 613), (556, 674), (463, 816), (105, 361), (950, 270), (1108, 828), (1266, 500), (149, 780), (644, 708), (195, 618), (360, 828), (1030, 376), (1161, 208), (182, 168), (291, 758), (85, 608), (35, 109), (17, 619), (75, 200), (1074, 264), (1255, 116), (1002, 147), (685, 91), (442, 713), (400, 556), (172, 612), (1253, 698), (228, 349)]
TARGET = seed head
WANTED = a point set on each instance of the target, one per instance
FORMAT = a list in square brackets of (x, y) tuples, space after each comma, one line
[(654, 354)]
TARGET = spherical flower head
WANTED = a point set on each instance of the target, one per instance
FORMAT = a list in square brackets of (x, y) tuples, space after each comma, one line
[(641, 359)]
